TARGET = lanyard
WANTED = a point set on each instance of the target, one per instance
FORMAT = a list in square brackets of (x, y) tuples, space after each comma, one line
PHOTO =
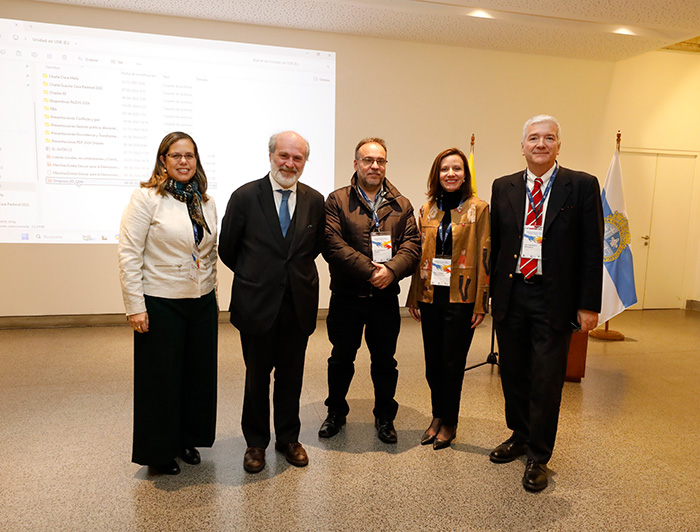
[(374, 204), (197, 229), (544, 195), (441, 232)]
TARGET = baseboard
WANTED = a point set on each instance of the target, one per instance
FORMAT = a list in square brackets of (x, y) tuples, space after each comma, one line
[(691, 304), (87, 320), (104, 320)]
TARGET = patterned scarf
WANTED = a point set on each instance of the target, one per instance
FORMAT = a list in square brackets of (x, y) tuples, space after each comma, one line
[(188, 193)]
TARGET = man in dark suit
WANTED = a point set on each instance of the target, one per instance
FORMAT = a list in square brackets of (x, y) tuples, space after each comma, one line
[(546, 281), (271, 233)]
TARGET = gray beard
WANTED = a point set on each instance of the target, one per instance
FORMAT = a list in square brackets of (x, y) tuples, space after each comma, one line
[(283, 180)]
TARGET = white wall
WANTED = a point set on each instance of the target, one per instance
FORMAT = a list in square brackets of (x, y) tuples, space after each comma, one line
[(655, 101), (421, 98)]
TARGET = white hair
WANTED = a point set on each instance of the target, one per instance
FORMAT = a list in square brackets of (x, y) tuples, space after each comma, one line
[(272, 144), (538, 119)]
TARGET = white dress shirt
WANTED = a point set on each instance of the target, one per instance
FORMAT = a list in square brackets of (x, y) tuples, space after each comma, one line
[(530, 183), (291, 202)]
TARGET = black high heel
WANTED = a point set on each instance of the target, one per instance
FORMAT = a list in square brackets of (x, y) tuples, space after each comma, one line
[(441, 444), (427, 438)]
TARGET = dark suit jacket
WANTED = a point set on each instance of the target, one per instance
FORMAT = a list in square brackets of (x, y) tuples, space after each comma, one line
[(264, 264), (572, 248)]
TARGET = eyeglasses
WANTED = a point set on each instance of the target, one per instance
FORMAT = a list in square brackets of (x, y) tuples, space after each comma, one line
[(178, 156), (369, 161)]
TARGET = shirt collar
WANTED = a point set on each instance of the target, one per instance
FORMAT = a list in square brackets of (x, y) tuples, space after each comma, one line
[(544, 177), (277, 186)]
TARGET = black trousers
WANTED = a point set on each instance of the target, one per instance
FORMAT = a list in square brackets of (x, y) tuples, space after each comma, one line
[(533, 358), (282, 348), (447, 335), (379, 318), (175, 366)]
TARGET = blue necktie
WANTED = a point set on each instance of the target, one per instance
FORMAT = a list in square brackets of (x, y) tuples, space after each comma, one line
[(284, 211)]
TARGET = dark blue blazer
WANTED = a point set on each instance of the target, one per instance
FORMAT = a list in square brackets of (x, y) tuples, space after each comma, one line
[(572, 246), (264, 262)]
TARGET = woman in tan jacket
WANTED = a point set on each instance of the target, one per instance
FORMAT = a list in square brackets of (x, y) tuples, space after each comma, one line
[(449, 290)]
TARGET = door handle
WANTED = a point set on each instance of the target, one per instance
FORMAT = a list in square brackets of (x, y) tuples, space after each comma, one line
[(646, 239)]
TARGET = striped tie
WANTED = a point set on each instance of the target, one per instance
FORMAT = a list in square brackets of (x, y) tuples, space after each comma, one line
[(528, 267)]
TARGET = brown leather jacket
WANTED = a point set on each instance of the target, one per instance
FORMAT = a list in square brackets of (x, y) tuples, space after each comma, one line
[(348, 248)]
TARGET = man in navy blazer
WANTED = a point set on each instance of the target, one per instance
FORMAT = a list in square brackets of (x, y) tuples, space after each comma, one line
[(546, 281), (271, 234)]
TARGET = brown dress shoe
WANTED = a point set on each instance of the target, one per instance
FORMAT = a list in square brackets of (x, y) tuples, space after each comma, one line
[(294, 453), (254, 459)]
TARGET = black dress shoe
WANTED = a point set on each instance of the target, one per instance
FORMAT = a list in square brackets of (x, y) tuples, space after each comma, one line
[(331, 426), (507, 452), (169, 468), (441, 444), (191, 456), (385, 430), (535, 477)]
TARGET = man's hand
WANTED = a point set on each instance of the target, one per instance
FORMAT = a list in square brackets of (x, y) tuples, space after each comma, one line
[(587, 319), (382, 276)]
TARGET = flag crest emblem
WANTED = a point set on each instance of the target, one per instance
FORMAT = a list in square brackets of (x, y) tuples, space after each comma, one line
[(616, 237)]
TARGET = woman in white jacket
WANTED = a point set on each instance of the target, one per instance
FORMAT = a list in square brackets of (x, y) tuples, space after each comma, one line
[(167, 265)]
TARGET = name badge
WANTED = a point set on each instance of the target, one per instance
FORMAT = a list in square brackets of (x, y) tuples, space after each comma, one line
[(442, 268), (381, 246), (532, 243), (194, 265)]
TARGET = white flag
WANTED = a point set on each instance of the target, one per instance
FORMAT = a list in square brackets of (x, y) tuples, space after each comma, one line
[(618, 272)]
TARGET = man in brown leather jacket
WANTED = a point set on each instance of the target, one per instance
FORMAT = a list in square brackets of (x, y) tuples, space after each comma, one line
[(371, 243)]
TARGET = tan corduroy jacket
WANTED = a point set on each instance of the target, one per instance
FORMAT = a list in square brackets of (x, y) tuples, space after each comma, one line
[(471, 248)]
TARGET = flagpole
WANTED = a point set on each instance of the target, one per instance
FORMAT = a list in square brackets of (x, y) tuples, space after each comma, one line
[(606, 333), (470, 164)]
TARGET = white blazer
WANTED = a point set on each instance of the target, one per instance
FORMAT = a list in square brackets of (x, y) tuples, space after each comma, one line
[(156, 242)]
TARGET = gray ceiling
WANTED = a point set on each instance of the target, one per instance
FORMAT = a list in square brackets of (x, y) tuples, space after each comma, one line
[(566, 28)]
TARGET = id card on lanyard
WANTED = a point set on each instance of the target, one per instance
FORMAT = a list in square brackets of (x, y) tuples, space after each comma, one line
[(442, 265), (381, 240), (533, 233), (381, 246), (532, 242), (442, 269)]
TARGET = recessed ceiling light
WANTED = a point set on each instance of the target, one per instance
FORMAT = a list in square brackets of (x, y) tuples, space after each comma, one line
[(480, 13), (624, 31)]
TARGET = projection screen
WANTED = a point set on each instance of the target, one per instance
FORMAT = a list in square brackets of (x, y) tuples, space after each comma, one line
[(83, 111)]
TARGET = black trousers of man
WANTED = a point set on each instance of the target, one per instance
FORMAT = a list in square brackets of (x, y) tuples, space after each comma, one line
[(379, 318), (533, 359), (282, 348)]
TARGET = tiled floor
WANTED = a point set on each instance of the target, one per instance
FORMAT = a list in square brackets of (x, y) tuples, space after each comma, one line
[(625, 457)]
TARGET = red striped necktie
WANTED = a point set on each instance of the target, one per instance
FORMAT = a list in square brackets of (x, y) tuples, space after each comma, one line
[(528, 267)]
